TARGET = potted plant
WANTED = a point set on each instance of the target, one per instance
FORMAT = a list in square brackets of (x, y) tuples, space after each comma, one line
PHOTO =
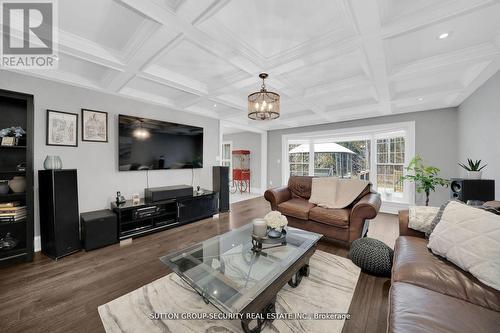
[(13, 132), (425, 177), (473, 169)]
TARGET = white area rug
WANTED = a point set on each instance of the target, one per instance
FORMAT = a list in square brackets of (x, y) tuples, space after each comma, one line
[(328, 289)]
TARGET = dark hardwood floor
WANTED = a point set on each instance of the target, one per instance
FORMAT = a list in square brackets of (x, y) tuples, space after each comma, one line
[(63, 296)]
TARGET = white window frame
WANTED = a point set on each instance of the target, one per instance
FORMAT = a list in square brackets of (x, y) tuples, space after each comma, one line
[(310, 152), (373, 132)]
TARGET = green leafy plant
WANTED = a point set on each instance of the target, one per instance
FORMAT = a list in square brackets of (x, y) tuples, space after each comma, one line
[(473, 165), (425, 177)]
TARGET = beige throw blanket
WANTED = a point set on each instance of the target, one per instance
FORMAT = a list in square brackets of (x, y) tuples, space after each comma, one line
[(333, 192), (420, 218)]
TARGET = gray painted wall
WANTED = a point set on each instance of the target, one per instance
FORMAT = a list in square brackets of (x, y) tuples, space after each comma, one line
[(249, 141), (97, 163), (478, 125), (435, 136)]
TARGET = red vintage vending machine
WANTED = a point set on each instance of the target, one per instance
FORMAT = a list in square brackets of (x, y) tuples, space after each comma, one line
[(241, 171)]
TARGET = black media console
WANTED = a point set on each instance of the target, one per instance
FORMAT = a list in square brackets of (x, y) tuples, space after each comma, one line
[(145, 218)]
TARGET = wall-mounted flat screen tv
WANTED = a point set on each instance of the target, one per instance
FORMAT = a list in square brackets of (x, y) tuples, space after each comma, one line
[(146, 144)]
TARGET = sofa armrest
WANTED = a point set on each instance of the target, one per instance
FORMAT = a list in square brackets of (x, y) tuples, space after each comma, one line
[(367, 207), (404, 230), (277, 195)]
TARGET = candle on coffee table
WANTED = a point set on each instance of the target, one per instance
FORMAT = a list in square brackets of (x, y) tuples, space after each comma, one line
[(259, 228)]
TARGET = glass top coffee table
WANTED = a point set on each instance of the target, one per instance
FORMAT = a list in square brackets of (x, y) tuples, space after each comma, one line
[(229, 274)]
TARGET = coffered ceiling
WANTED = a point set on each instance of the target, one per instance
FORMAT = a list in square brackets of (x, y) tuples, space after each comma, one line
[(331, 60)]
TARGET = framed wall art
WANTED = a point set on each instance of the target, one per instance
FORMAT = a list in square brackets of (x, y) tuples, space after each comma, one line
[(94, 126), (62, 129)]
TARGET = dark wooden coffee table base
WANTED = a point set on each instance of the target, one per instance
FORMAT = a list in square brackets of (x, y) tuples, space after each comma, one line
[(264, 305)]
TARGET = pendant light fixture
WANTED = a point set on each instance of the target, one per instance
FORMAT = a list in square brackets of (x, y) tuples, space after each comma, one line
[(263, 105)]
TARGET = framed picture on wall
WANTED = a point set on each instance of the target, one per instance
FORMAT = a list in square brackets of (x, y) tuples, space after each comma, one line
[(62, 129), (94, 126)]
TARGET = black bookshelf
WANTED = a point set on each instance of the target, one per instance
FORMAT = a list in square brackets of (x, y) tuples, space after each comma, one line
[(16, 109)]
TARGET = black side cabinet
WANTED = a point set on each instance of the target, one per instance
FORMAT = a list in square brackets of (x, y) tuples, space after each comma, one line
[(197, 207), (59, 216)]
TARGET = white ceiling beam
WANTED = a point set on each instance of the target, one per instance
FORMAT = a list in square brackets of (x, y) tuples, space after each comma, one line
[(476, 53), (337, 86), (243, 127), (482, 77), (334, 111), (141, 55), (367, 17), (168, 18), (440, 11)]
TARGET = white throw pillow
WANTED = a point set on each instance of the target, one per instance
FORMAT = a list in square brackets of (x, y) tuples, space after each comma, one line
[(470, 238)]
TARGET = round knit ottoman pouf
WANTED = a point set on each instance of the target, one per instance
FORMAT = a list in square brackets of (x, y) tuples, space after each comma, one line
[(372, 256)]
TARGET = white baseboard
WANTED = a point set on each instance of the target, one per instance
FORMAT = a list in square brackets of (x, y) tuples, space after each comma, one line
[(393, 207), (256, 190), (37, 243)]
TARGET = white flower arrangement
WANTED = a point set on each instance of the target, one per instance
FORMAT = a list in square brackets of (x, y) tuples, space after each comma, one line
[(275, 220)]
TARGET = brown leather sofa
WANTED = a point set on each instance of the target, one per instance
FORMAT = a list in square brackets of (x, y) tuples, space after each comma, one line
[(343, 225), (430, 294)]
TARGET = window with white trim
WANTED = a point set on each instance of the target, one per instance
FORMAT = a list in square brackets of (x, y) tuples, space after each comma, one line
[(298, 159), (390, 166), (376, 153)]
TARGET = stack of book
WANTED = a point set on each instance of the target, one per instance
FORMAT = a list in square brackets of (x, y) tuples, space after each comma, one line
[(12, 212)]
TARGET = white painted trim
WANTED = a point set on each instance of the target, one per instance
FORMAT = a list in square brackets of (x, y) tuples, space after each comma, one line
[(242, 127), (221, 135), (354, 133), (221, 155), (263, 163), (393, 207), (263, 149), (154, 38), (37, 244), (257, 190)]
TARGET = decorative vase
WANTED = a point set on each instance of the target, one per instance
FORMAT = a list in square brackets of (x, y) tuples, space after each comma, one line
[(474, 174), (18, 184), (52, 163), (8, 242), (4, 187), (274, 233)]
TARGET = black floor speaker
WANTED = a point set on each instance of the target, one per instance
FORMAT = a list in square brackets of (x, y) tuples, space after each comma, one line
[(472, 189), (98, 229), (59, 216), (220, 183)]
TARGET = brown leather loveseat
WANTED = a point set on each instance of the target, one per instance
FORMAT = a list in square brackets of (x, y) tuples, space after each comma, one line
[(430, 294), (343, 225)]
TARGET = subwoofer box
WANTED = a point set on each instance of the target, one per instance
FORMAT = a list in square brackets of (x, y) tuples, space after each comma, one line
[(157, 194), (98, 229)]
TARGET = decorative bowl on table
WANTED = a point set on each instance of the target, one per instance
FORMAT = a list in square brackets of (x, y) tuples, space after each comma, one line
[(269, 230)]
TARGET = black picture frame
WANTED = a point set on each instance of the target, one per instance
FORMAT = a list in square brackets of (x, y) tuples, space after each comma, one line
[(83, 125), (47, 128)]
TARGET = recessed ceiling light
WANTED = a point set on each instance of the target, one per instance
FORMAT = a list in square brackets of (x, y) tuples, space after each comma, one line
[(420, 99), (444, 35), (215, 105)]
